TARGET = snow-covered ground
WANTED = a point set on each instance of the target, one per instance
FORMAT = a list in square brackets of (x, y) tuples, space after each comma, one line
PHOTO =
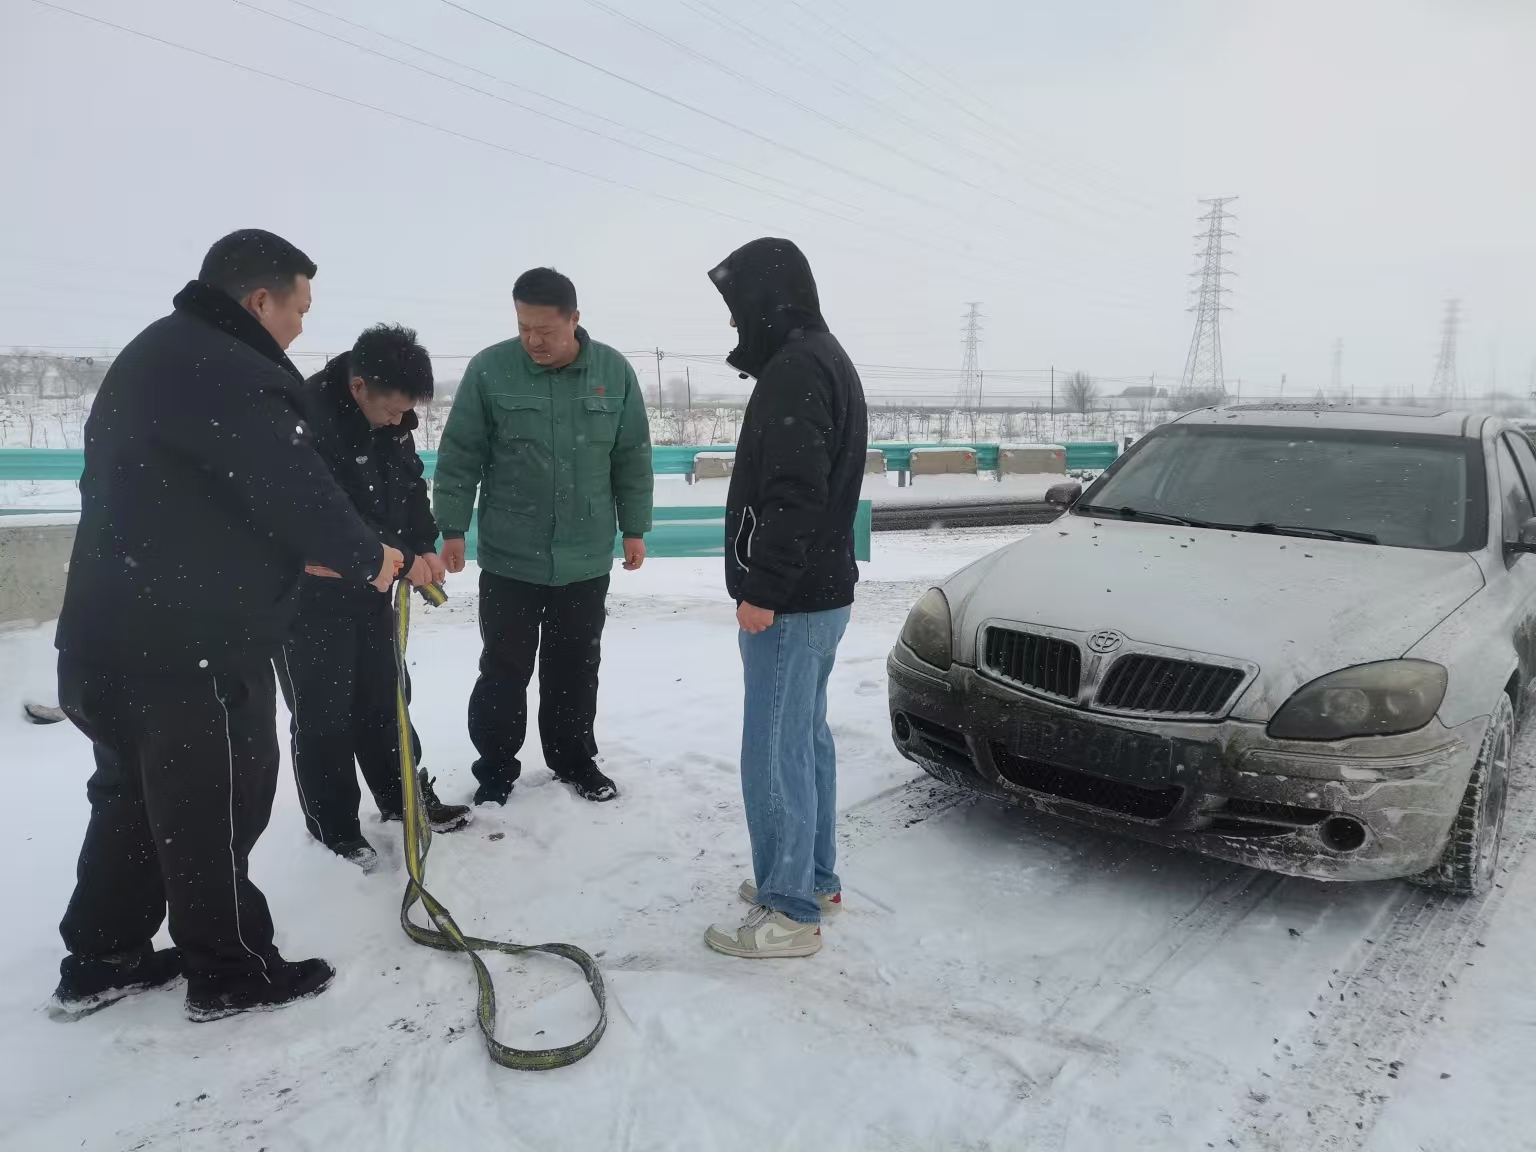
[(998, 980)]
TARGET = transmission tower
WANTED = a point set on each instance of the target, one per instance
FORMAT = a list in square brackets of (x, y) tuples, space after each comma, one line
[(970, 369), (1447, 388), (1202, 369), (1337, 392)]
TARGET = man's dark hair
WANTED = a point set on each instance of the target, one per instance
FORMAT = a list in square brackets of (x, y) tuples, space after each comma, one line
[(244, 261), (546, 288), (389, 358)]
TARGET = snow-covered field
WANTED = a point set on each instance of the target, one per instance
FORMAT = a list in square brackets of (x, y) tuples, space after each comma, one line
[(998, 980)]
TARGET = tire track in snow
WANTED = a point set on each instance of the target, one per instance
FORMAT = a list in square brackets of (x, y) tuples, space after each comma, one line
[(862, 825), (1326, 1092)]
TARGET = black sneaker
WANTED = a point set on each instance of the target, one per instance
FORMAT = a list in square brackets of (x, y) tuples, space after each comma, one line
[(358, 852), (444, 817), (590, 783), (287, 982), (90, 983)]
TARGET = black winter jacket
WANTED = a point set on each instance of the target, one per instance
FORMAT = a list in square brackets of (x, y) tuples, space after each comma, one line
[(378, 468), (202, 499), (800, 458)]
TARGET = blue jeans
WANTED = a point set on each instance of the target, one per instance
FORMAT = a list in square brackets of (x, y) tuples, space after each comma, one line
[(788, 763)]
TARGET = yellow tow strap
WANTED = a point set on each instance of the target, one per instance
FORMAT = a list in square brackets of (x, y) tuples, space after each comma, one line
[(446, 936)]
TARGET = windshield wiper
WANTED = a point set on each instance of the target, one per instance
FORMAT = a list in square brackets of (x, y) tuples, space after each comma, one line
[(1142, 514), (1312, 533)]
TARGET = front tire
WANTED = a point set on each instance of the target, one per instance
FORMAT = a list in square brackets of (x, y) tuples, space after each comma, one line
[(1471, 857)]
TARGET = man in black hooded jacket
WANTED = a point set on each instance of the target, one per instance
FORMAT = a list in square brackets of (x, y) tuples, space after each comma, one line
[(337, 670), (202, 500), (789, 565)]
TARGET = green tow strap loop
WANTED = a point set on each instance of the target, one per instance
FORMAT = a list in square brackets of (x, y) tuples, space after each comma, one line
[(446, 935)]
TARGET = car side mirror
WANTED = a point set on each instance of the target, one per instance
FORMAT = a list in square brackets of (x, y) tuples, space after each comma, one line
[(1526, 543), (1065, 495)]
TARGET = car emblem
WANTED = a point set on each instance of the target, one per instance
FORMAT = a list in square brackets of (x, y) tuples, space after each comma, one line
[(1106, 641)]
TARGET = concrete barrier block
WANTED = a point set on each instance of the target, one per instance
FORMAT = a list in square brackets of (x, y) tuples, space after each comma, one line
[(943, 461), (874, 462), (34, 565), (713, 465), (1031, 460)]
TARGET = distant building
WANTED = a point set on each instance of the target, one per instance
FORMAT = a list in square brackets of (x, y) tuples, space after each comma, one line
[(1144, 392)]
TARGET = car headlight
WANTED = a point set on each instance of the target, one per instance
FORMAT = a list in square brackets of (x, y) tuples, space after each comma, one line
[(927, 630), (1370, 700)]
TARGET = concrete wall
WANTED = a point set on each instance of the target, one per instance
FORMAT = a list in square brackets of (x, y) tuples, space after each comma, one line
[(34, 561), (713, 465), (874, 462), (1032, 460), (943, 461)]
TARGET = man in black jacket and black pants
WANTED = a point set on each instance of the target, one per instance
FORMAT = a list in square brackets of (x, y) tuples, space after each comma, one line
[(202, 500), (337, 670), (789, 565)]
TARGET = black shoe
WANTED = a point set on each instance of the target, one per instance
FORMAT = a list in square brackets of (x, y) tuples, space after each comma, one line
[(286, 982), (89, 983), (358, 852), (443, 817), (590, 783), (493, 793)]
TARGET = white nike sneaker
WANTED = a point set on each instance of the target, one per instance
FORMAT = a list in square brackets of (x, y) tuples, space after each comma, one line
[(765, 933), (829, 901)]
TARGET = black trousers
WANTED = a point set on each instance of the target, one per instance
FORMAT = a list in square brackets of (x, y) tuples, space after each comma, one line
[(338, 678), (563, 626), (186, 768)]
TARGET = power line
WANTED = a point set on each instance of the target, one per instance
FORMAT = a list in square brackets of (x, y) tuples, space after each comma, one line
[(401, 116), (945, 93), (791, 149), (1203, 368), (794, 102), (799, 188), (1120, 301), (857, 220)]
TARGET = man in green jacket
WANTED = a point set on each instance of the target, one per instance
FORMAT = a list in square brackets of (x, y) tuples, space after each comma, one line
[(551, 429)]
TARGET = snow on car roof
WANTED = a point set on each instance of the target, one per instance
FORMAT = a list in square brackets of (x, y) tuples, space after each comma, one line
[(1312, 414)]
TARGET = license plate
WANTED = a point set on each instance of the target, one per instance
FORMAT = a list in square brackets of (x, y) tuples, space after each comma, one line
[(1115, 753)]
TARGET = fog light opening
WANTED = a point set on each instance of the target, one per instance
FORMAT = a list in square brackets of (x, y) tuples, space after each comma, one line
[(902, 727), (1343, 833)]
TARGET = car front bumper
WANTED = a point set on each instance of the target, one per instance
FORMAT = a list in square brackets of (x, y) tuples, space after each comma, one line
[(1364, 809)]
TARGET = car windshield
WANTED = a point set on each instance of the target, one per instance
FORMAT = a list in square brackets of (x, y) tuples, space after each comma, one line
[(1369, 487)]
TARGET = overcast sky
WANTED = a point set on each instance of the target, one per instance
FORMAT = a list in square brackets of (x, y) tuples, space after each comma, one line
[(1043, 158)]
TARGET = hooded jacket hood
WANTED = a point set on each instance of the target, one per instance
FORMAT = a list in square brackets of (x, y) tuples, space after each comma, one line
[(771, 293)]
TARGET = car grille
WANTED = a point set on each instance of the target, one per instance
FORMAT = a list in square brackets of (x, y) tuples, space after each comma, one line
[(1156, 684), (1112, 795), (1040, 662)]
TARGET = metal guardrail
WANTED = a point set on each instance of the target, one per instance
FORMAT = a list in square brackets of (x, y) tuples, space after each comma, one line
[(666, 459)]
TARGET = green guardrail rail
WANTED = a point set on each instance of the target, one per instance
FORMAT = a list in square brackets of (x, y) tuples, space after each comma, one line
[(666, 459), (676, 531), (699, 531)]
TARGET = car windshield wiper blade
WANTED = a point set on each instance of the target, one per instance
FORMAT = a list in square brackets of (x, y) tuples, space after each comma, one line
[(1143, 514), (1313, 533)]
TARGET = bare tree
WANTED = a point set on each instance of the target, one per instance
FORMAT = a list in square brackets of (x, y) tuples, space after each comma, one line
[(674, 394), (1081, 392)]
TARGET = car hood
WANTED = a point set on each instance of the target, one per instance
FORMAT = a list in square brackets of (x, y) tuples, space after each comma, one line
[(1297, 608)]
